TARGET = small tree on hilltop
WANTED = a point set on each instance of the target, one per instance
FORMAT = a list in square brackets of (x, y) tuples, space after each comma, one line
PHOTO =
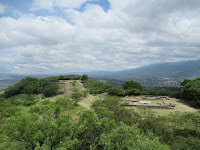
[(84, 77), (132, 85)]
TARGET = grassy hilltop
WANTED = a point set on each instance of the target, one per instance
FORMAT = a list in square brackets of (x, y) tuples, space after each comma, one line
[(76, 113)]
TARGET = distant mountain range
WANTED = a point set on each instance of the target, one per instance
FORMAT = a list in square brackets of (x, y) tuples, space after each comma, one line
[(164, 75), (168, 75)]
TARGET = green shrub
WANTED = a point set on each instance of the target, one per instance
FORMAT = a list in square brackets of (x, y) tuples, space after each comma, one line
[(84, 77), (99, 87), (29, 85), (78, 95), (74, 83), (132, 85), (191, 91)]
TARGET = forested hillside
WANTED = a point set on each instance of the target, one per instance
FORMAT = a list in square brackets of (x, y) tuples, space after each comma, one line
[(48, 113)]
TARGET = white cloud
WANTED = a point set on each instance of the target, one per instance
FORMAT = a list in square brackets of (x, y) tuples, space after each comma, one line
[(130, 34), (30, 29)]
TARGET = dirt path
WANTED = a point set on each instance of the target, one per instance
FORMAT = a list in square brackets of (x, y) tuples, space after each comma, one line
[(185, 108), (90, 99), (87, 106), (69, 86)]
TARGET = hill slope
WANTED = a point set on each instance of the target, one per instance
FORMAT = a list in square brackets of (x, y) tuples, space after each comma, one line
[(158, 75)]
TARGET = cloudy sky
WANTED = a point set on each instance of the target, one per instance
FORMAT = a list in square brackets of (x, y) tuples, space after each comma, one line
[(61, 36)]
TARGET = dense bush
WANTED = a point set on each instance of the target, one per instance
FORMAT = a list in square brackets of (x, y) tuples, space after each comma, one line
[(45, 127), (50, 125), (161, 92), (87, 83), (119, 113), (177, 127), (190, 91), (130, 88), (116, 91), (76, 78), (84, 77), (132, 85), (76, 96), (132, 92), (129, 137), (99, 87), (61, 77), (27, 123), (29, 85)]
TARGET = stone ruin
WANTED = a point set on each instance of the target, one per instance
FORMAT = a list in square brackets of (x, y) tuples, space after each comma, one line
[(145, 101)]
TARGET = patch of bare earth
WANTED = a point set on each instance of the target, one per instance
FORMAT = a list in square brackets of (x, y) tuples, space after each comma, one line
[(183, 106), (75, 117), (85, 105), (68, 87), (87, 102)]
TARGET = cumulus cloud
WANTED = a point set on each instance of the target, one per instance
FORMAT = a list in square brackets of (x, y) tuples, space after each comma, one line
[(132, 33)]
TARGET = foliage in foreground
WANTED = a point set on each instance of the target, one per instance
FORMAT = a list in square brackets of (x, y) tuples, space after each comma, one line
[(49, 125), (28, 123)]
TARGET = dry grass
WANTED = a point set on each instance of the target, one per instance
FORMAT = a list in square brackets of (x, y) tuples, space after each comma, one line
[(69, 88), (87, 102)]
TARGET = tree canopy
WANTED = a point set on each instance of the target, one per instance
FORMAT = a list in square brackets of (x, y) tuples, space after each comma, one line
[(29, 123), (84, 77), (46, 86), (190, 91), (132, 85)]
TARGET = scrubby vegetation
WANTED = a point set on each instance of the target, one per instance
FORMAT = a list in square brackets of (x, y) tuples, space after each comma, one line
[(29, 85), (29, 122), (191, 91), (76, 96)]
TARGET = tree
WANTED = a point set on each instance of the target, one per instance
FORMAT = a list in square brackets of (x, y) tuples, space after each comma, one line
[(129, 137), (45, 127), (119, 113), (22, 129), (76, 78), (132, 92), (191, 91), (116, 91), (99, 87), (29, 85), (132, 85), (185, 81), (90, 128), (48, 87), (32, 88), (84, 77)]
